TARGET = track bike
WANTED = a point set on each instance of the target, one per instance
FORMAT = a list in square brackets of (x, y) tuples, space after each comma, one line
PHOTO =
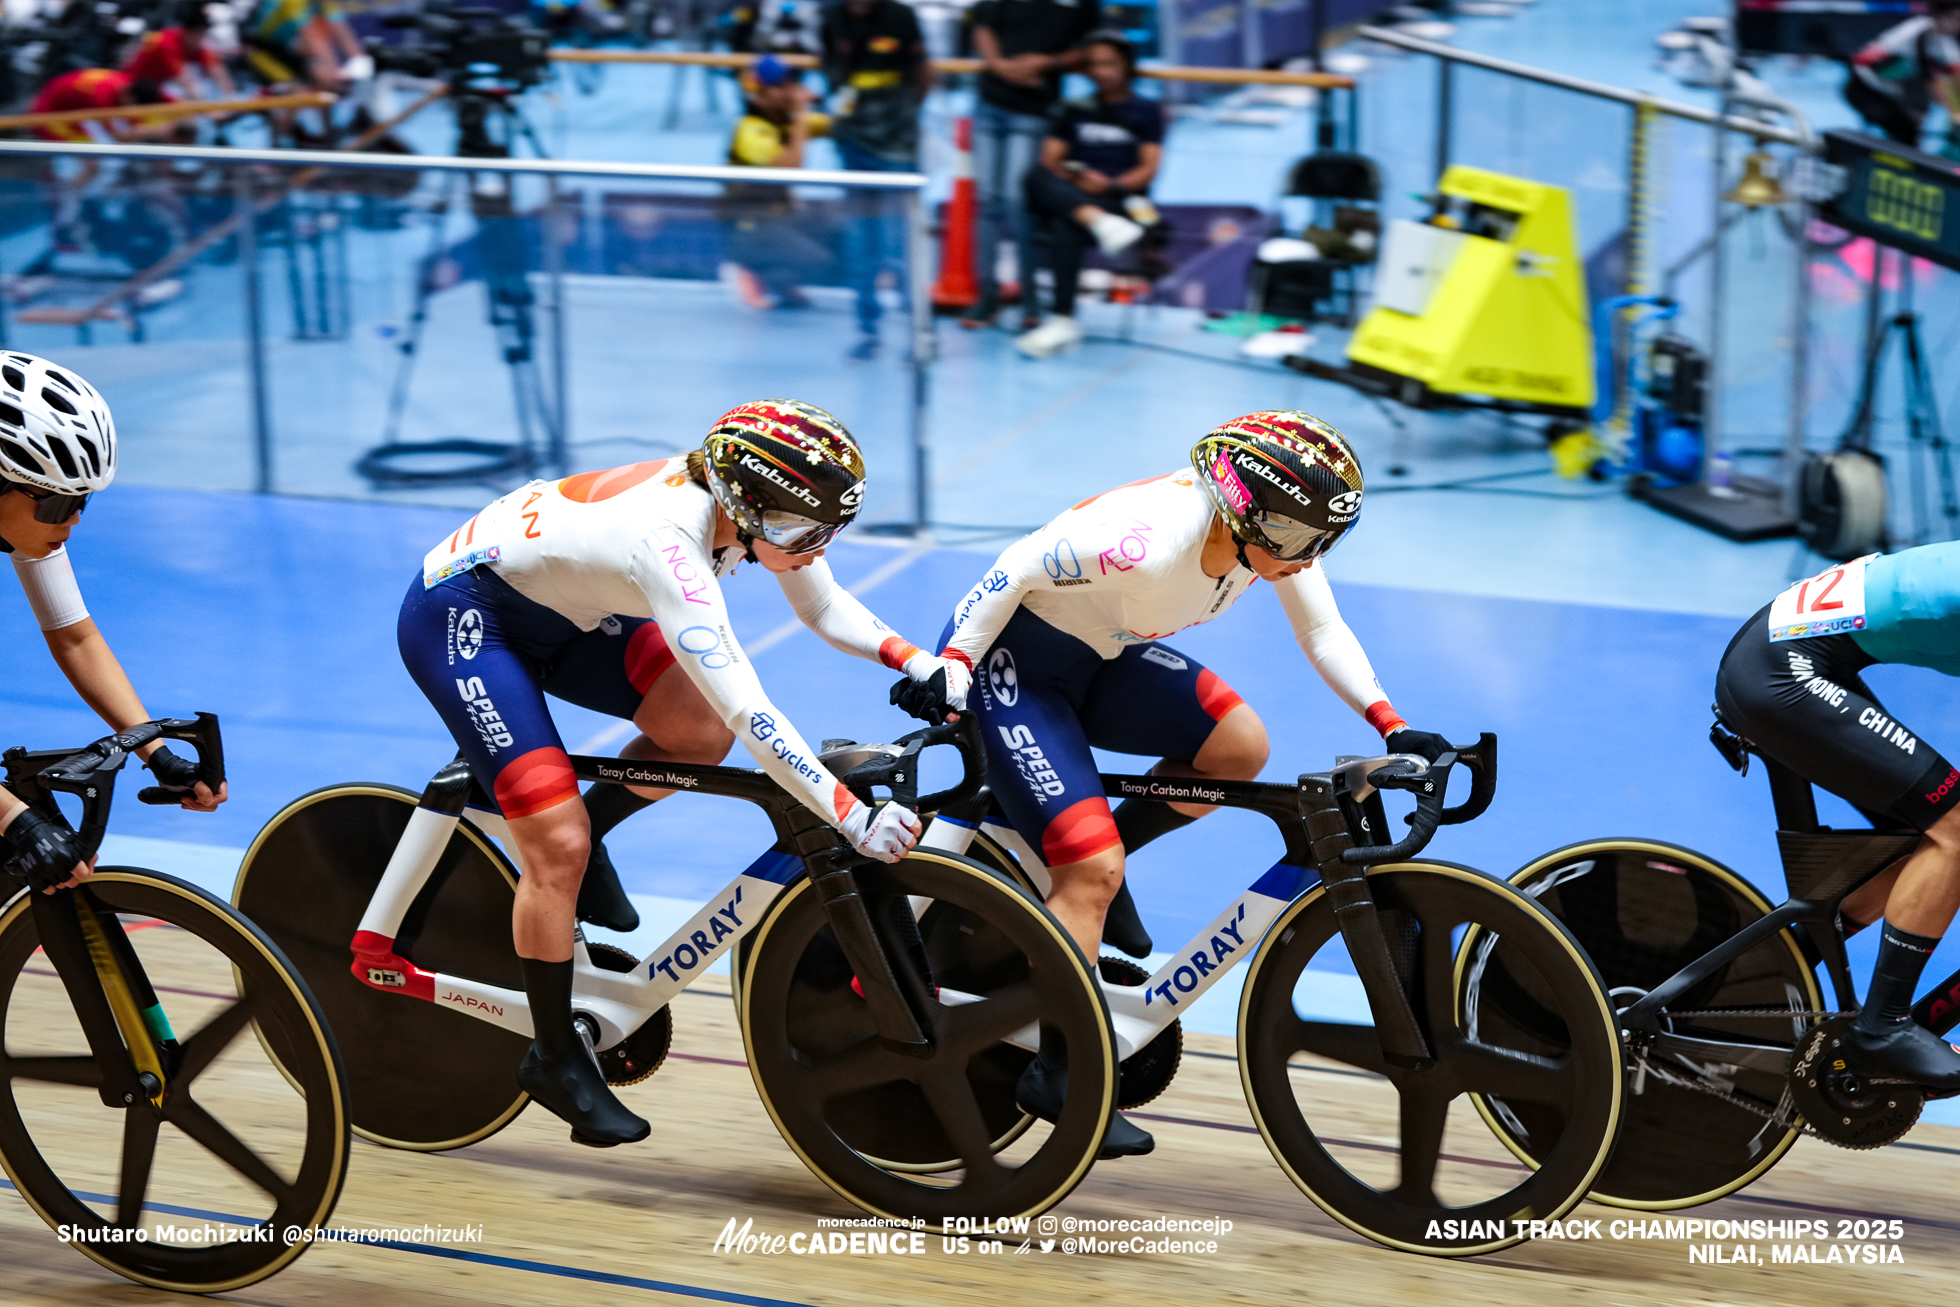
[(258, 1140), (1727, 1035), (1445, 955), (876, 1001)]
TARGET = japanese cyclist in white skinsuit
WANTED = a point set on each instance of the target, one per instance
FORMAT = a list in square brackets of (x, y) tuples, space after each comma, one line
[(605, 590), (57, 447), (1063, 640)]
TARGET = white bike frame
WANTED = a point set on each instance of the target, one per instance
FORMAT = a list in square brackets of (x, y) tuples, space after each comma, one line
[(618, 1001), (1139, 1013)]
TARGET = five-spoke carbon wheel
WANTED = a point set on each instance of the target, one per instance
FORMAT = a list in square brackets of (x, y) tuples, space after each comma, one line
[(419, 1076), (936, 1136), (1643, 910), (243, 1150), (1324, 1097)]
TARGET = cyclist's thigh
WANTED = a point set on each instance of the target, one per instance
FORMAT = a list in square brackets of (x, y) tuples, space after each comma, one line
[(1804, 703), (610, 669), (1026, 694), (1153, 700), (487, 693)]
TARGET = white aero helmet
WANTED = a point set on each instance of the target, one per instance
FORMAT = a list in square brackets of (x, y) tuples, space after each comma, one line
[(56, 434)]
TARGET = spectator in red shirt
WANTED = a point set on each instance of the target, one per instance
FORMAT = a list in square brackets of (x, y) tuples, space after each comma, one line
[(97, 88), (164, 57)]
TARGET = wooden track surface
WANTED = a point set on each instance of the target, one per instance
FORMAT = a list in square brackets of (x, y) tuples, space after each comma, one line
[(648, 1214)]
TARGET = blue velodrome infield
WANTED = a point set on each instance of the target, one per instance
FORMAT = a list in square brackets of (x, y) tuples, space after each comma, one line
[(278, 614)]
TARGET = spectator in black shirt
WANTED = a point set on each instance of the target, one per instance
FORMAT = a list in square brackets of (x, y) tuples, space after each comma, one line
[(1026, 46), (874, 57), (1097, 163)]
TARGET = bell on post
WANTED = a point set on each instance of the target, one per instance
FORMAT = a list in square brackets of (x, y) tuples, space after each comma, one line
[(1759, 186)]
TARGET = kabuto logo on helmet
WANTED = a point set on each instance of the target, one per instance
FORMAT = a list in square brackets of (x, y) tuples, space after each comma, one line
[(851, 498), (1345, 504), (1261, 470), (767, 473)]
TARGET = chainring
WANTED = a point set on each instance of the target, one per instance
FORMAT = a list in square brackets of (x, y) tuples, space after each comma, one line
[(1147, 1072), (641, 1053), (1842, 1106)]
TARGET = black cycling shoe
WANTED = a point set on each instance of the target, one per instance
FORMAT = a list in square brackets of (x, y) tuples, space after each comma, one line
[(1123, 925), (602, 900), (1040, 1091), (1907, 1050), (573, 1089)]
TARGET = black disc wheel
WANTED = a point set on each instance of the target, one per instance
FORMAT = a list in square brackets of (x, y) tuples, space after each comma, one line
[(937, 1136), (420, 1076), (1643, 910), (237, 1148), (1325, 1098)]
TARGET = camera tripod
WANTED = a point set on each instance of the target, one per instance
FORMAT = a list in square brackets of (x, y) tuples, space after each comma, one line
[(512, 314), (1925, 435)]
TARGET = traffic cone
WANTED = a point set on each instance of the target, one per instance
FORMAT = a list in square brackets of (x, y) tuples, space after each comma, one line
[(958, 287)]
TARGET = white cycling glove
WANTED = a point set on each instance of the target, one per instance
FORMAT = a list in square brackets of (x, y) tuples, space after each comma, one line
[(921, 666), (887, 834)]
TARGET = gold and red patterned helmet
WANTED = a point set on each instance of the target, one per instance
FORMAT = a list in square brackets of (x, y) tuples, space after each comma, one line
[(785, 472), (1284, 481)]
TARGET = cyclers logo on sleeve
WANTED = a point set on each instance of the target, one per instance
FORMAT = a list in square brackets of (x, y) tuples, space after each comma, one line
[(763, 727), (483, 713), (1003, 678), (1032, 763), (1163, 657)]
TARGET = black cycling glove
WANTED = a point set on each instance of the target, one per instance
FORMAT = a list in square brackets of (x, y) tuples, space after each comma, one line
[(44, 848), (925, 700), (1422, 743), (176, 777)]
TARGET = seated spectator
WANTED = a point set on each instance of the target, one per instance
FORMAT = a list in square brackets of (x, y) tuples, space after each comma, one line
[(98, 88), (1092, 181), (771, 251), (1895, 79), (166, 57)]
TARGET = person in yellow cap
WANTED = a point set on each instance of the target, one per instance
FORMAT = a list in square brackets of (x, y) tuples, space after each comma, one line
[(765, 241)]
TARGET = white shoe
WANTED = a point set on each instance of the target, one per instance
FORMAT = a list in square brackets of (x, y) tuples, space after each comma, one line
[(1055, 336), (1115, 233)]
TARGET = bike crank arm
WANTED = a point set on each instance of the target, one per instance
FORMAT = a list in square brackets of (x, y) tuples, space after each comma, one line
[(104, 1007)]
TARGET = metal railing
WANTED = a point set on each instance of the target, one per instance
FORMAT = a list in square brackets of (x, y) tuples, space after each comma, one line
[(257, 189)]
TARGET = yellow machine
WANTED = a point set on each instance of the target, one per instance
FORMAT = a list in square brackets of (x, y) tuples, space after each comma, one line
[(1484, 302)]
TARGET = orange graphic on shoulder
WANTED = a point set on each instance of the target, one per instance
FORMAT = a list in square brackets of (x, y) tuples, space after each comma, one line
[(592, 487)]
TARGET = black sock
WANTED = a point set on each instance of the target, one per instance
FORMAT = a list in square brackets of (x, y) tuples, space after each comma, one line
[(1849, 926), (548, 985), (1901, 957), (1140, 821), (608, 805)]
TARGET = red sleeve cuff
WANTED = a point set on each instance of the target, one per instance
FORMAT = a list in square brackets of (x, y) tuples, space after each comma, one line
[(1384, 718), (950, 652)]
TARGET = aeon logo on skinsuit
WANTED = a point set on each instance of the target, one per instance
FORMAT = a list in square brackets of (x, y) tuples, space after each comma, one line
[(1003, 678)]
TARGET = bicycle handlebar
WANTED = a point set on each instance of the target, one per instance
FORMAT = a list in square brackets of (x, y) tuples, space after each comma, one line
[(1429, 788), (89, 772), (1481, 759), (899, 772)]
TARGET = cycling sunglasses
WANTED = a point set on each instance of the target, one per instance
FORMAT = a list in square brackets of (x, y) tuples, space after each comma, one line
[(794, 534), (51, 506), (1287, 540)]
